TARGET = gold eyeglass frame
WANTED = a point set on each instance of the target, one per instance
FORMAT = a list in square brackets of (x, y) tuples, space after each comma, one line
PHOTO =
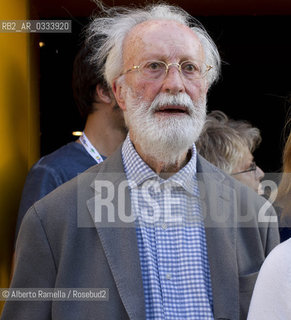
[(167, 65)]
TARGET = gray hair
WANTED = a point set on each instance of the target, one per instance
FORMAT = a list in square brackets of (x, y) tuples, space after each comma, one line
[(223, 141), (115, 23)]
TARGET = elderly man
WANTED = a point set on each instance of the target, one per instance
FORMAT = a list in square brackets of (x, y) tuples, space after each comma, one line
[(168, 234)]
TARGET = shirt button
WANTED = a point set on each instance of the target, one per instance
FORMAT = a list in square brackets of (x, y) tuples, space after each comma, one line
[(164, 226), (168, 276)]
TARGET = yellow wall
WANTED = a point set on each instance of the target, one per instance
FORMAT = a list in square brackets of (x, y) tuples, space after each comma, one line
[(19, 123)]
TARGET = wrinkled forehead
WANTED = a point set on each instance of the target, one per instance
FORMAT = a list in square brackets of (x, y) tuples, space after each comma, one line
[(161, 38)]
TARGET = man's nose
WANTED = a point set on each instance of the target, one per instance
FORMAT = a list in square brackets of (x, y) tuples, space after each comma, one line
[(173, 82)]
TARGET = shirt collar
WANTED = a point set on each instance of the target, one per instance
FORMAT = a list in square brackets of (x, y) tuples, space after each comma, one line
[(137, 171)]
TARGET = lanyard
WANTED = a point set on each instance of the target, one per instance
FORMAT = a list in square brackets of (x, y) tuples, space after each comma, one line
[(90, 148)]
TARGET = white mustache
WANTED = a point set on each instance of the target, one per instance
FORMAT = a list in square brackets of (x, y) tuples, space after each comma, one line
[(165, 99)]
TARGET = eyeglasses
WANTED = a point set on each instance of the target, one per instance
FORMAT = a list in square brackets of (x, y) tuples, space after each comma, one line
[(253, 167), (158, 70)]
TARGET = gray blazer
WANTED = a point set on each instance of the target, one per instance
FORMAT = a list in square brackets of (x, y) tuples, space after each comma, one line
[(60, 246)]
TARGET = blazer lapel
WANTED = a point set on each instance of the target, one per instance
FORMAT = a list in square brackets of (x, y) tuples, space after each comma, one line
[(218, 203), (119, 241)]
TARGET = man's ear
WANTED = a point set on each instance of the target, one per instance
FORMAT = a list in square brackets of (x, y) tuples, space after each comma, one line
[(103, 94), (118, 92)]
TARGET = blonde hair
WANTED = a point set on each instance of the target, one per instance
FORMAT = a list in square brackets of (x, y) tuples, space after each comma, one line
[(284, 189), (224, 141)]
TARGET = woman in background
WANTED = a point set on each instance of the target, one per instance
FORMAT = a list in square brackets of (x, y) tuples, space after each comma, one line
[(271, 298), (283, 200), (229, 145)]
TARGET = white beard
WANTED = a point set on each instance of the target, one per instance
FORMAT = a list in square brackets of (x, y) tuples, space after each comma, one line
[(166, 139)]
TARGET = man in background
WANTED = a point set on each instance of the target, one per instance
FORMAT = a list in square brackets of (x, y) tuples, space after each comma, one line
[(104, 132), (229, 144)]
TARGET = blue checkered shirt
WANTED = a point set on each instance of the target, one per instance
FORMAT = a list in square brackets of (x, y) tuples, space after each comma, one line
[(171, 240)]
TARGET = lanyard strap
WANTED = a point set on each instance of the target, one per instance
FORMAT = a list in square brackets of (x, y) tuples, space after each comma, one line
[(90, 148)]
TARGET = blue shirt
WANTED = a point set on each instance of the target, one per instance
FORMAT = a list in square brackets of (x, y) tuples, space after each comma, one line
[(50, 172), (171, 242)]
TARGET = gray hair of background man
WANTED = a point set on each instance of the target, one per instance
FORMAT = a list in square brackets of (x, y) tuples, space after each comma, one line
[(223, 141), (117, 22)]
